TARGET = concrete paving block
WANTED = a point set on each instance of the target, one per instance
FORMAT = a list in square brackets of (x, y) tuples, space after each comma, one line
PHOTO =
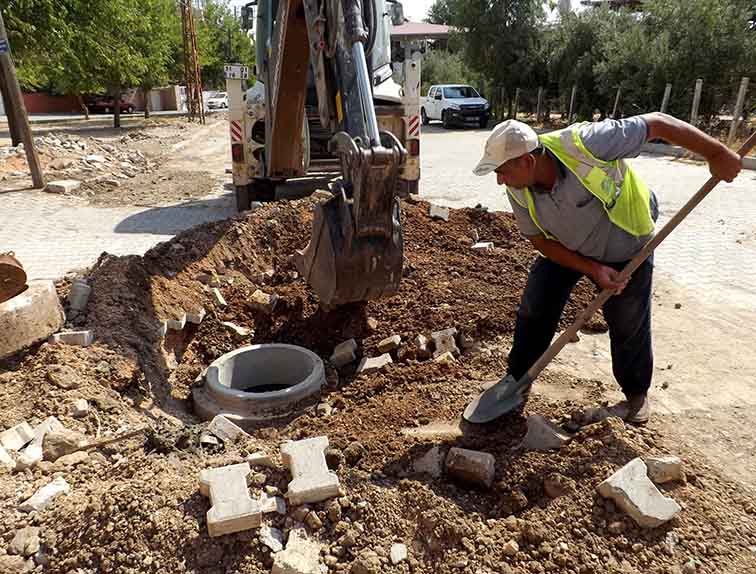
[(6, 460), (445, 342), (177, 323), (369, 364), (398, 553), (389, 344), (663, 469), (311, 479), (344, 353), (16, 437), (218, 297), (30, 317), (301, 556), (483, 246), (63, 186), (196, 317), (78, 296), (232, 509), (543, 435), (45, 496), (471, 466), (263, 302), (222, 427), (439, 212), (633, 492), (74, 338)]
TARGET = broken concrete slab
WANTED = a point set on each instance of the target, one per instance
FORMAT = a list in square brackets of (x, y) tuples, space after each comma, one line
[(178, 322), (232, 509), (344, 353), (369, 364), (312, 481), (45, 496), (222, 427), (30, 456), (17, 436), (271, 537), (218, 297), (398, 553), (389, 344), (196, 317), (270, 504), (471, 466), (74, 338), (445, 342), (663, 469), (431, 463), (260, 459), (632, 491), (6, 459), (543, 435), (30, 317), (301, 556), (263, 302), (63, 186), (438, 212)]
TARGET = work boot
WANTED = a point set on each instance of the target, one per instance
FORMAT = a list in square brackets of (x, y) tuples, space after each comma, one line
[(635, 410)]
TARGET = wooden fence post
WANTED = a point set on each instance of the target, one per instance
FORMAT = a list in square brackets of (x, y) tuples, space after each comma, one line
[(516, 102), (538, 105), (616, 103), (665, 101), (572, 104), (696, 102), (738, 110)]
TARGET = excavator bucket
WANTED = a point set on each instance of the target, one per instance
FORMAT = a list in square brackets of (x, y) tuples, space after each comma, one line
[(12, 276), (356, 251)]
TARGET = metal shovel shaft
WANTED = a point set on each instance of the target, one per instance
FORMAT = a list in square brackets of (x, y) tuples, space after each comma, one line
[(634, 263)]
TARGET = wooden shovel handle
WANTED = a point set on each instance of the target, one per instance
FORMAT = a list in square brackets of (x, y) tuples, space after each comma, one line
[(634, 263)]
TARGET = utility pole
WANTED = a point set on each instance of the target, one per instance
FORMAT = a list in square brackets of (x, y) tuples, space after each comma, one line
[(16, 111), (194, 104), (738, 110), (15, 133)]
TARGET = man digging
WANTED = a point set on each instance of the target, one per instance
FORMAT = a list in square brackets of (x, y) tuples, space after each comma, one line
[(588, 214)]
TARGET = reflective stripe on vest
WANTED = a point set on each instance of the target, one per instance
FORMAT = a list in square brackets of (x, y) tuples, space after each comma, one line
[(622, 193)]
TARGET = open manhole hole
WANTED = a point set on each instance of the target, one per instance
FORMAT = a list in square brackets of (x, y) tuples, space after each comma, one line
[(259, 382)]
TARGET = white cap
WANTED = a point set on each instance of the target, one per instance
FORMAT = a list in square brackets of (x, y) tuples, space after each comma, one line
[(508, 140)]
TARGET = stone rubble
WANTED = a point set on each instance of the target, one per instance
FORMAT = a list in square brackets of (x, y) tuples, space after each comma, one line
[(543, 435), (79, 408), (45, 496), (389, 344), (663, 469), (16, 437), (444, 342), (74, 338), (301, 555), (398, 553), (271, 537), (344, 353), (438, 212), (218, 297), (222, 427), (370, 364), (64, 186), (25, 542), (263, 302), (632, 491)]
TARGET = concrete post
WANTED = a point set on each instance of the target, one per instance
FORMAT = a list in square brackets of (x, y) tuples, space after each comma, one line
[(738, 110), (516, 102), (696, 102), (572, 104), (616, 103), (538, 106), (665, 101)]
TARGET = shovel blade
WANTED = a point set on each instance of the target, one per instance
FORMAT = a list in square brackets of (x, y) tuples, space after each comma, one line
[(498, 400)]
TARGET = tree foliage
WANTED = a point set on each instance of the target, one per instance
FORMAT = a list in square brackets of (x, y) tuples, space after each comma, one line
[(442, 67)]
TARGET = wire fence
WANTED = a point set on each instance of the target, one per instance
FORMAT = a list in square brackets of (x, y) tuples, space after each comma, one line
[(726, 112)]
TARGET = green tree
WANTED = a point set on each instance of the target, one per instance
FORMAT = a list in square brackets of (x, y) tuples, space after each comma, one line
[(442, 67), (440, 13), (221, 39)]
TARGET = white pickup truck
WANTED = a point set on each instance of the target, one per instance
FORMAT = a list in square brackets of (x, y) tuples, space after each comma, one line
[(454, 104)]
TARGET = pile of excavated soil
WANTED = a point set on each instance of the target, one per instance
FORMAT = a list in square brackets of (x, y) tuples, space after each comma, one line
[(135, 506)]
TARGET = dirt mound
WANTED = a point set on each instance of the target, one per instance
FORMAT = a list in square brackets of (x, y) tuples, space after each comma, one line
[(135, 506)]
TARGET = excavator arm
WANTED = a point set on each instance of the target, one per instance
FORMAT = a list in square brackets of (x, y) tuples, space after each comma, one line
[(356, 248)]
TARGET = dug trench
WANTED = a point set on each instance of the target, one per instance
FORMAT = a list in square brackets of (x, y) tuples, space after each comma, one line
[(135, 506)]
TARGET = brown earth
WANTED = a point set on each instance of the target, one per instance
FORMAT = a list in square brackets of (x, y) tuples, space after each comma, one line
[(135, 506)]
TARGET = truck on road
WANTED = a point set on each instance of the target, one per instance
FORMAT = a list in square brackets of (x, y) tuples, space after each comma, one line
[(455, 104)]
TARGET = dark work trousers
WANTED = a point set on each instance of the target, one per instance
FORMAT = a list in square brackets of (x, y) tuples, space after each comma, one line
[(628, 316)]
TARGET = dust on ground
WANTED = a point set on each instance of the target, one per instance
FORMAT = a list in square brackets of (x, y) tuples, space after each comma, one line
[(135, 506)]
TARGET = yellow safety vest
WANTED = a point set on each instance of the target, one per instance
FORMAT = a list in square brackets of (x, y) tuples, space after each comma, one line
[(623, 194)]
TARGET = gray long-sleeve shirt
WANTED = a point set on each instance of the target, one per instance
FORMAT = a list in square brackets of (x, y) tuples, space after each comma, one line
[(572, 214)]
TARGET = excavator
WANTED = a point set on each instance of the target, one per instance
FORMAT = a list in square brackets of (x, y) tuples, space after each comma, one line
[(323, 74)]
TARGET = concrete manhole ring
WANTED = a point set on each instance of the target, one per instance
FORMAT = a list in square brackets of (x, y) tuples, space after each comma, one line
[(259, 382)]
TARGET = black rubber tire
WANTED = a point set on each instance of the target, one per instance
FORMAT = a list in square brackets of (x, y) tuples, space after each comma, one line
[(445, 120), (424, 117)]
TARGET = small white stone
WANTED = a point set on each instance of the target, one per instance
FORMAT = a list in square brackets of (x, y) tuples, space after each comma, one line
[(368, 364), (80, 408), (222, 427), (483, 246), (74, 338), (63, 186), (6, 459), (543, 435), (389, 344), (510, 548), (196, 317), (236, 329), (271, 537), (16, 437), (270, 504), (398, 553), (218, 297), (177, 324), (439, 212), (663, 469), (260, 459), (45, 495)]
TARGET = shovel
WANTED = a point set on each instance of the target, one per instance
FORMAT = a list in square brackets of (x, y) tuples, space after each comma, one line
[(509, 393)]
